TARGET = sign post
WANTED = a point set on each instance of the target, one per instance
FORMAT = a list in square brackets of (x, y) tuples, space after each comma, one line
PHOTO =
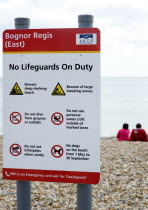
[(84, 191), (23, 187), (52, 106)]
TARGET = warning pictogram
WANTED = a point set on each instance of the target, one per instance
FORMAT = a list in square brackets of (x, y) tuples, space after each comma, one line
[(58, 91), (57, 118), (15, 117), (57, 151), (16, 90), (15, 149)]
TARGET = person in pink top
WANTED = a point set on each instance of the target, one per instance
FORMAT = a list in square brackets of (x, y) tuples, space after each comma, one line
[(123, 134)]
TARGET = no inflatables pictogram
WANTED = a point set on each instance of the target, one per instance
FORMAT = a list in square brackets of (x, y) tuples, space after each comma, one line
[(15, 149), (57, 118), (57, 151), (15, 117), (16, 90), (58, 91)]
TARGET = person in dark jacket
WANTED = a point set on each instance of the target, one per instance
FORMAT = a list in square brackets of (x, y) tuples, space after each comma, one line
[(138, 134)]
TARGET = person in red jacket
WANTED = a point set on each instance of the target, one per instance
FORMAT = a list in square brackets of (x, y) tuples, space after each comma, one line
[(138, 134), (123, 134)]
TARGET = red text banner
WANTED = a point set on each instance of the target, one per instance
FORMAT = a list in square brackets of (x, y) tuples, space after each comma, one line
[(35, 40), (51, 176)]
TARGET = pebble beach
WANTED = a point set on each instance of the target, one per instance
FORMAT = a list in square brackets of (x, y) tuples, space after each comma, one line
[(123, 184)]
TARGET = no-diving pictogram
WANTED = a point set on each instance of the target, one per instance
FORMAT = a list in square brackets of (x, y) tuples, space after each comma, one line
[(57, 151), (16, 90), (15, 149), (58, 91), (57, 118), (15, 117)]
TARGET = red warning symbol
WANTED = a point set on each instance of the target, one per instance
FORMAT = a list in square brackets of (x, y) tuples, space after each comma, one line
[(15, 117), (57, 151), (15, 149), (57, 118)]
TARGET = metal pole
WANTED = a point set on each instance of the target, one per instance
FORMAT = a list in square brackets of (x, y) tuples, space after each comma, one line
[(23, 195), (22, 23), (85, 21), (84, 191), (23, 187)]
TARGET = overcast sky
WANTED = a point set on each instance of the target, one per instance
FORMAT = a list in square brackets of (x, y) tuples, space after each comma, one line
[(123, 25)]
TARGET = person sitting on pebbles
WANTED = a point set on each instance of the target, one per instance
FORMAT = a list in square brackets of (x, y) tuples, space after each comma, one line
[(138, 134), (123, 134)]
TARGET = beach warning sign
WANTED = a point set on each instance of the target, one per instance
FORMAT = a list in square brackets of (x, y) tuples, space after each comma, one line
[(58, 91), (57, 118), (15, 117), (57, 151), (15, 149), (16, 90), (51, 105)]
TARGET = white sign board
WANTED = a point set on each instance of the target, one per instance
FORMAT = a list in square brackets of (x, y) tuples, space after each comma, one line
[(52, 105)]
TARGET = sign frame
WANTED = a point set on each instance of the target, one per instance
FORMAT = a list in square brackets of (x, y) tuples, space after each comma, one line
[(16, 44)]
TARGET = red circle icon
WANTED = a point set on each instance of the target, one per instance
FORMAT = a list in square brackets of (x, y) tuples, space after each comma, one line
[(57, 151), (57, 118), (15, 149), (15, 117)]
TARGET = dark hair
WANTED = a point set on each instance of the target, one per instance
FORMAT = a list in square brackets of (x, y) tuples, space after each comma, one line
[(125, 126), (138, 125)]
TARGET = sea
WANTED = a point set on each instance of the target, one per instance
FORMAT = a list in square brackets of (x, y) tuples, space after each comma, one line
[(123, 100)]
